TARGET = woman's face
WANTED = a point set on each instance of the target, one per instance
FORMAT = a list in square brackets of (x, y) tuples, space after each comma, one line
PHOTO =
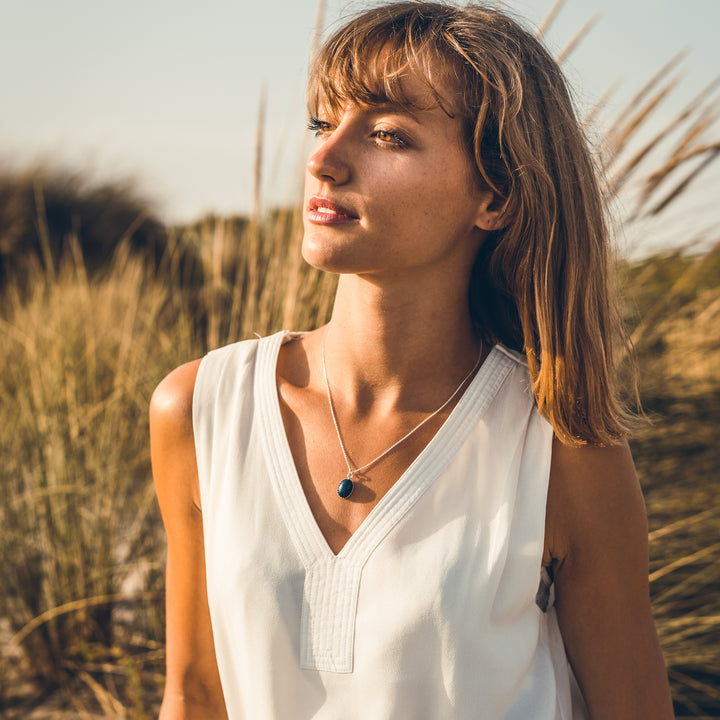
[(389, 189)]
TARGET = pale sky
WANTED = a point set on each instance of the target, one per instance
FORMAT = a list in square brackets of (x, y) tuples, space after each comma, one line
[(167, 93)]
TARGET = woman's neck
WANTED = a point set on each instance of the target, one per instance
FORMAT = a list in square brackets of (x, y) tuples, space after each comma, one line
[(392, 344)]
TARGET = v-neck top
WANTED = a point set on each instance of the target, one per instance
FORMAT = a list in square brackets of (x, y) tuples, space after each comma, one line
[(429, 610)]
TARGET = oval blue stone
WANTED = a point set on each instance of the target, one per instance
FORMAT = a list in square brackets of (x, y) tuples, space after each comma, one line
[(345, 488)]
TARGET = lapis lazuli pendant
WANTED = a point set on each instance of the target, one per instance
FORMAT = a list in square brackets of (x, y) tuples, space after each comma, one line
[(345, 488)]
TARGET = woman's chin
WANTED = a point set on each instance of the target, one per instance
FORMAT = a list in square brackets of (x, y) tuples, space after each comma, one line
[(327, 257)]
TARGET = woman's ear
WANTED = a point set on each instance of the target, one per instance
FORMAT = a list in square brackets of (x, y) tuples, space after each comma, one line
[(493, 212)]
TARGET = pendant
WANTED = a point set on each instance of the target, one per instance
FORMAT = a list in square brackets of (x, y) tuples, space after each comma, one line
[(345, 488)]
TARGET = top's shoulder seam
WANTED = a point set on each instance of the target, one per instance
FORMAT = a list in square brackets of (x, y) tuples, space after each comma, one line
[(519, 358), (230, 347)]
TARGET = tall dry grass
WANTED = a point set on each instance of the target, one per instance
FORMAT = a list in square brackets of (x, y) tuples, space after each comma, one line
[(79, 540), (674, 312)]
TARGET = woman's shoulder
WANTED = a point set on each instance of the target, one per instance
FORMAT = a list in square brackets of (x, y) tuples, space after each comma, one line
[(172, 447), (594, 501), (203, 379), (171, 402)]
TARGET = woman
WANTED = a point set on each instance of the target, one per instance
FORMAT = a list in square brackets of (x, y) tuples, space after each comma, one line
[(359, 517)]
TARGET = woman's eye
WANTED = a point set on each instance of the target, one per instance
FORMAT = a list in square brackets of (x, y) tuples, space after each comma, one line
[(318, 126), (389, 138)]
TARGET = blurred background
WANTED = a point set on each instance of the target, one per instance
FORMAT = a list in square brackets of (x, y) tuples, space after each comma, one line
[(151, 163)]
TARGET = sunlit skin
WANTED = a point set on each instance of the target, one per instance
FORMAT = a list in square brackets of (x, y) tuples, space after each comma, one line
[(390, 205), (404, 184)]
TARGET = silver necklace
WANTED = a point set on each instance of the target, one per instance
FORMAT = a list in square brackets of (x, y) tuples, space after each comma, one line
[(346, 486)]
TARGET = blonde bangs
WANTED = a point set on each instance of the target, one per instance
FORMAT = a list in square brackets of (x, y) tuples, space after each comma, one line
[(365, 63)]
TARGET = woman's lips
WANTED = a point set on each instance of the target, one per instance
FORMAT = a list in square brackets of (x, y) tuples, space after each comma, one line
[(322, 211)]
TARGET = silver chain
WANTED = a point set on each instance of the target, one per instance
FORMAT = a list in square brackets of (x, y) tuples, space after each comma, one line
[(352, 472)]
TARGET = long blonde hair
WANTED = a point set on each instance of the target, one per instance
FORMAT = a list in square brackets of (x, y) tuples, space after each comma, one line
[(539, 285)]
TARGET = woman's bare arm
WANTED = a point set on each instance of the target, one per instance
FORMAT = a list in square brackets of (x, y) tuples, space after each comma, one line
[(597, 536), (192, 688)]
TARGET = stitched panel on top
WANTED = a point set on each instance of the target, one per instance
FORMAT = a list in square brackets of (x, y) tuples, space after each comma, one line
[(328, 615)]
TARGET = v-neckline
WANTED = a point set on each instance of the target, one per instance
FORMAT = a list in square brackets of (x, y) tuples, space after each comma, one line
[(307, 537)]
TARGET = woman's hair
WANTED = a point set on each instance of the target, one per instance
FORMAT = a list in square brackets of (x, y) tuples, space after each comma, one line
[(540, 284)]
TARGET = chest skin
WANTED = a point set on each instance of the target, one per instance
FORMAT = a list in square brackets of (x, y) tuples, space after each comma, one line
[(318, 456)]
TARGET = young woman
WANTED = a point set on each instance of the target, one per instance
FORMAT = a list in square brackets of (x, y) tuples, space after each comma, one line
[(426, 508)]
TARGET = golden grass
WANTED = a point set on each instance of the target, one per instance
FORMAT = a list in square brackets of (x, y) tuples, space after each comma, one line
[(674, 302), (79, 516)]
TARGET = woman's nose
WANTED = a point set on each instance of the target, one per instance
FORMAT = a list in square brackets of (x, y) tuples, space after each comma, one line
[(328, 160)]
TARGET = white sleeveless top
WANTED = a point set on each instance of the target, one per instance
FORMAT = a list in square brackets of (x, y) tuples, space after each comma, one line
[(429, 611)]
